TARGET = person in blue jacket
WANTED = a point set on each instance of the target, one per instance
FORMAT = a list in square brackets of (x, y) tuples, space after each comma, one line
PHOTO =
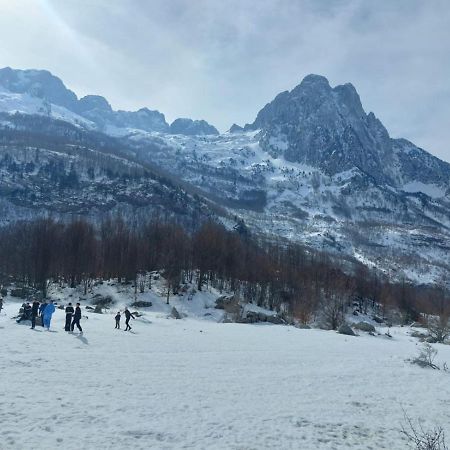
[(41, 312), (48, 312)]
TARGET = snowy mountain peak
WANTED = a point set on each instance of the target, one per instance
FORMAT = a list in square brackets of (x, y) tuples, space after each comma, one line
[(20, 91), (313, 81), (191, 127), (38, 83), (327, 128), (90, 102), (312, 167), (235, 128)]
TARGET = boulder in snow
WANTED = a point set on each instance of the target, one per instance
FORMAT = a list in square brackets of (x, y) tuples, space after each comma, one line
[(364, 326), (229, 303), (102, 301), (141, 304), (277, 320), (21, 293), (346, 329), (260, 315), (98, 309), (175, 314)]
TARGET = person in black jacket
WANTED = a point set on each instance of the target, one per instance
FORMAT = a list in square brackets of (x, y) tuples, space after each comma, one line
[(69, 313), (117, 320), (128, 316), (34, 313), (26, 312), (41, 312), (76, 319)]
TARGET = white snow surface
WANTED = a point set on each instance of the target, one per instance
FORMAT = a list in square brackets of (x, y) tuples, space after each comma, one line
[(196, 383), (26, 104), (432, 190)]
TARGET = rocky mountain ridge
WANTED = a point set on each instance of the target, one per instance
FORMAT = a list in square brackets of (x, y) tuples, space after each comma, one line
[(313, 167), (51, 91)]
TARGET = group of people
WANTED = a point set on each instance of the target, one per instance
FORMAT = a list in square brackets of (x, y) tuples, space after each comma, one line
[(128, 316), (73, 317), (31, 311), (37, 309), (45, 310)]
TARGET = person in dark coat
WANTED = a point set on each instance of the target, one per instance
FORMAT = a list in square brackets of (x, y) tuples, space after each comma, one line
[(69, 312), (117, 320), (41, 312), (128, 316), (76, 319), (34, 312), (26, 313)]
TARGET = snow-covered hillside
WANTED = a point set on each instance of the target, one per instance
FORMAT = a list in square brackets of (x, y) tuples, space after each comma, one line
[(313, 167), (14, 103), (399, 230), (196, 383), (40, 92)]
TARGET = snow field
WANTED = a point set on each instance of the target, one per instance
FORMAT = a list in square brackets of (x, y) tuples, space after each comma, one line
[(195, 383)]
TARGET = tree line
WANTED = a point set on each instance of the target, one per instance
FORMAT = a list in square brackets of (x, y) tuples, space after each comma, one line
[(281, 276)]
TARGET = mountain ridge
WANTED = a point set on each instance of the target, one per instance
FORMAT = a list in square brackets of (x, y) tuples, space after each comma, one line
[(313, 167), (44, 85)]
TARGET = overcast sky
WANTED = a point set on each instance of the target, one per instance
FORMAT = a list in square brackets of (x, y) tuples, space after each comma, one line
[(224, 60)]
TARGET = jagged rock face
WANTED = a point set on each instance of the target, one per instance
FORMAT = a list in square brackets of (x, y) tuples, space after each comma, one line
[(144, 119), (313, 167), (93, 102), (235, 128), (191, 127), (98, 110), (326, 127), (38, 83), (42, 84)]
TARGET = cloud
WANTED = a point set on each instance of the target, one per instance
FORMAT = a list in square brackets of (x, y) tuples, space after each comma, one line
[(222, 61)]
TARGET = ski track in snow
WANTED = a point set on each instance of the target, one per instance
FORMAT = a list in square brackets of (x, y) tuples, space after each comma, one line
[(198, 384)]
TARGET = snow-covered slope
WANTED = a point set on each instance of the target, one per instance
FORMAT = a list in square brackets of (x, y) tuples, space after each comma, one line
[(13, 103), (40, 92), (53, 168), (402, 230), (313, 167), (195, 383)]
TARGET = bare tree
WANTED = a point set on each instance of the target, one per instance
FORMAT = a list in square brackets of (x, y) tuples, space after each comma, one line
[(426, 357), (439, 327), (421, 439)]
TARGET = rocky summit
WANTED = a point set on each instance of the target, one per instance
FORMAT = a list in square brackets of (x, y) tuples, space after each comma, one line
[(313, 167)]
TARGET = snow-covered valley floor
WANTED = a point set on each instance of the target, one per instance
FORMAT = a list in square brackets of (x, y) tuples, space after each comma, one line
[(195, 383)]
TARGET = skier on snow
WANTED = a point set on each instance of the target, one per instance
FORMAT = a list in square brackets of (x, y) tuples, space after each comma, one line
[(117, 320)]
